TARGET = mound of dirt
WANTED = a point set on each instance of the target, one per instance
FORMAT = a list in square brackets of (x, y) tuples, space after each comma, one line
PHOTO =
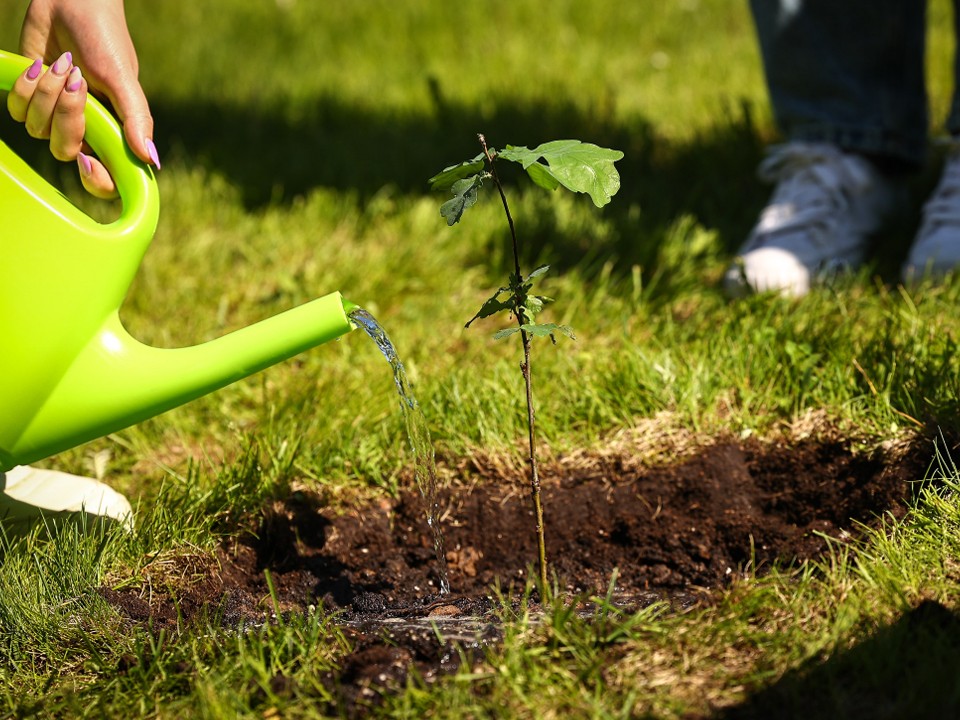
[(672, 532), (690, 526)]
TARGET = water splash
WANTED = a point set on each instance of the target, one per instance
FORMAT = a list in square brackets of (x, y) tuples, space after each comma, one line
[(425, 468)]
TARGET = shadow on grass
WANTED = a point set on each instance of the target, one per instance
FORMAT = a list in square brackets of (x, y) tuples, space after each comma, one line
[(274, 155), (906, 670), (272, 158)]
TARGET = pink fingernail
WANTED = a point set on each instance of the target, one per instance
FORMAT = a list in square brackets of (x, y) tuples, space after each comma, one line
[(63, 63), (75, 80), (86, 168), (152, 152), (33, 72)]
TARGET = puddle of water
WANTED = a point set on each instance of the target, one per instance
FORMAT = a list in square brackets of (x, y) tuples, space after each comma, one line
[(468, 631), (425, 469), (471, 629)]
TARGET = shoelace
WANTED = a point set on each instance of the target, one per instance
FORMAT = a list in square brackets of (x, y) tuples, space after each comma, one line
[(814, 183)]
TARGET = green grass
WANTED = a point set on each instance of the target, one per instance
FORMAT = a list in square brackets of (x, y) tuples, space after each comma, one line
[(297, 138)]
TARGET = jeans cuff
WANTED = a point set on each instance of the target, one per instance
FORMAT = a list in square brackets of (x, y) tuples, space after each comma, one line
[(877, 143)]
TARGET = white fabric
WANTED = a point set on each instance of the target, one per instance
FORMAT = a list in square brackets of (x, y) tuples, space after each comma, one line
[(27, 493)]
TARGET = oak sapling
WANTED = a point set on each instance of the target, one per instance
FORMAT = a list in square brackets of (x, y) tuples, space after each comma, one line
[(577, 166)]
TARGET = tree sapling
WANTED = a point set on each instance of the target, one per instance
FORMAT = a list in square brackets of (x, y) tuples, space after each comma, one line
[(577, 166)]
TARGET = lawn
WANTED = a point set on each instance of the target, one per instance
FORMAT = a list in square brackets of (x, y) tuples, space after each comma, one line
[(297, 139)]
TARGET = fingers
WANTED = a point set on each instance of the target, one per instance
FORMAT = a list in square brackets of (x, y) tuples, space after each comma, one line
[(95, 178), (68, 126), (19, 98), (50, 105)]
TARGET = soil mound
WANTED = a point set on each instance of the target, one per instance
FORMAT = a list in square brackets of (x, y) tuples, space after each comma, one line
[(690, 526), (673, 532)]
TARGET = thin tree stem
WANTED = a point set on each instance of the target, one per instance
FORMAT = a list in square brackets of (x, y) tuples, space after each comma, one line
[(525, 369), (506, 207), (534, 470)]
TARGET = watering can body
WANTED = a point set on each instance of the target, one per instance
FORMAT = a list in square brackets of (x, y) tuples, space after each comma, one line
[(69, 372)]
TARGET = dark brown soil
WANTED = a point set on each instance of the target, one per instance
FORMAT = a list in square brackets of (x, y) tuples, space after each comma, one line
[(675, 532)]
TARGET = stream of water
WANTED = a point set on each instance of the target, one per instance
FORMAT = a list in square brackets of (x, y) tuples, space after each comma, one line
[(425, 468)]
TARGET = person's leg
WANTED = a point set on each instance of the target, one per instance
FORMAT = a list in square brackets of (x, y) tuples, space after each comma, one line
[(847, 88), (850, 74)]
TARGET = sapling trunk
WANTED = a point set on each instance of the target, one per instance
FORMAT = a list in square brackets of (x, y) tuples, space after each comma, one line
[(520, 315), (534, 470)]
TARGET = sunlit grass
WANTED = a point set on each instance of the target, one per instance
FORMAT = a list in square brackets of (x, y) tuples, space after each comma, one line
[(297, 139)]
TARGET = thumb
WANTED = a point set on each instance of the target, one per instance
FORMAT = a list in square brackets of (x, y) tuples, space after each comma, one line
[(132, 108)]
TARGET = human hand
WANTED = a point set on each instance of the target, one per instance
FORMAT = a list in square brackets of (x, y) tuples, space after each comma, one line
[(93, 36)]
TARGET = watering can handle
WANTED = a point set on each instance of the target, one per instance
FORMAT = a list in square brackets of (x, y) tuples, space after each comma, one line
[(134, 179)]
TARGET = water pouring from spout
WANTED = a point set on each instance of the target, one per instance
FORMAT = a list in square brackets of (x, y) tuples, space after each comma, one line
[(425, 468)]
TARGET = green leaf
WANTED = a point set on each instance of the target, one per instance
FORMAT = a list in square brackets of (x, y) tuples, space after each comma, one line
[(535, 303), (492, 306), (465, 193), (449, 175), (542, 176), (548, 330), (532, 306), (538, 272), (537, 330), (578, 166)]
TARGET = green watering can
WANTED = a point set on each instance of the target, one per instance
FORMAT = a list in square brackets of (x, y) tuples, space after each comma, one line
[(69, 372)]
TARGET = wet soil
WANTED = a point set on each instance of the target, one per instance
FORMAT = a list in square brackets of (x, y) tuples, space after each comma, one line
[(676, 532)]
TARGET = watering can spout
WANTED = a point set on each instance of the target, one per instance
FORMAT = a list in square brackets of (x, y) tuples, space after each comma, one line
[(69, 371), (116, 381)]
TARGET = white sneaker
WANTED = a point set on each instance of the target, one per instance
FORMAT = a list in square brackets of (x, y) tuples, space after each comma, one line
[(936, 249), (824, 208), (28, 494)]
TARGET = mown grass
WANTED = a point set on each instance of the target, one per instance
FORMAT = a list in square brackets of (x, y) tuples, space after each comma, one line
[(297, 139)]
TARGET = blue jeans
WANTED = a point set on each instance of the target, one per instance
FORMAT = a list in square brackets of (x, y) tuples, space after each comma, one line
[(851, 73)]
